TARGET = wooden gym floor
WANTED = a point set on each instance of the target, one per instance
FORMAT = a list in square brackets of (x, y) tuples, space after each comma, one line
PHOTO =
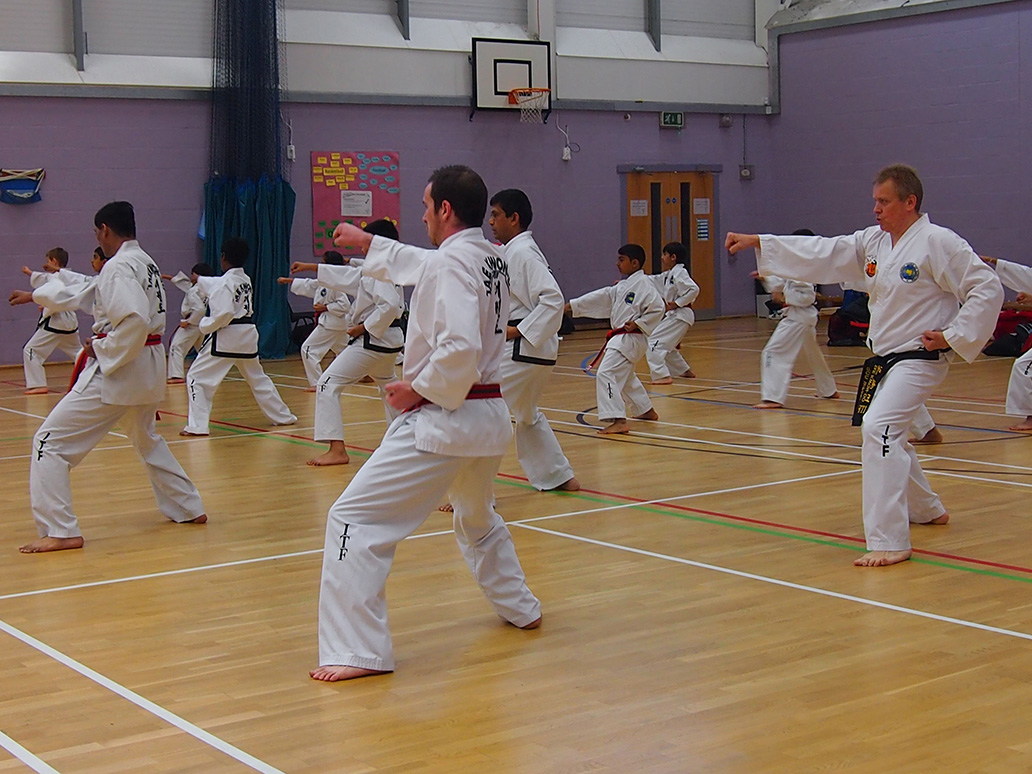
[(701, 610)]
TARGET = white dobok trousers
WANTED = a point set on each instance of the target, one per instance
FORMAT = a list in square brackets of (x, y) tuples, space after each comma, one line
[(350, 366), (389, 497), (320, 341), (779, 355), (77, 424), (39, 347), (895, 489), (1019, 388), (207, 373), (617, 385), (537, 448), (663, 357), (183, 340)]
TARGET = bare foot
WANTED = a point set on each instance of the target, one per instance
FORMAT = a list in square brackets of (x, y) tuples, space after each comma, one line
[(334, 456), (668, 380), (649, 415), (882, 558), (689, 374), (175, 380), (46, 544), (367, 379), (944, 519), (202, 519), (333, 674), (1024, 427), (446, 508), (615, 427), (833, 396), (932, 436), (568, 486), (310, 389), (768, 404), (284, 424), (532, 625), (36, 391), (189, 434)]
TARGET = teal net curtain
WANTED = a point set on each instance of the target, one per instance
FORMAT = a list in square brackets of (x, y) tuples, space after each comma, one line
[(246, 195)]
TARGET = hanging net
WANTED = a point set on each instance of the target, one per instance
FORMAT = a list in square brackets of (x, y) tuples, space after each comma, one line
[(533, 104), (245, 115)]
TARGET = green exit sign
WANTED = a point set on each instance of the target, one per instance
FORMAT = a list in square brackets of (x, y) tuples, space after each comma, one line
[(669, 119)]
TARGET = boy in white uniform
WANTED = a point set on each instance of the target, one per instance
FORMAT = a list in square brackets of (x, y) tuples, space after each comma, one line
[(55, 329), (796, 332), (1018, 277), (187, 335), (450, 438), (679, 290), (332, 309), (532, 342), (122, 383), (230, 339), (918, 276), (376, 340), (634, 308)]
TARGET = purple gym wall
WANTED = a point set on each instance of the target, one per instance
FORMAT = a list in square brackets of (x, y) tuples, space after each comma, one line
[(948, 93), (154, 153)]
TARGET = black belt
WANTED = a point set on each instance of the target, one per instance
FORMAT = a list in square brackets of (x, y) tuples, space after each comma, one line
[(367, 343), (518, 356), (874, 371), (241, 321)]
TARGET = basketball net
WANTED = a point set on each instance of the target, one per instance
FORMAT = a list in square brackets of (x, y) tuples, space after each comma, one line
[(532, 103)]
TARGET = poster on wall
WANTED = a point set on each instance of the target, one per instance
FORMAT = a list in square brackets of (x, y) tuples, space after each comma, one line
[(354, 187)]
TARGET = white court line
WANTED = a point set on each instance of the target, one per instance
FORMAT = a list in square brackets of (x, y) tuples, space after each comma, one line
[(808, 441), (703, 428), (274, 557), (662, 500), (186, 570), (786, 584), (30, 760), (145, 704), (41, 418)]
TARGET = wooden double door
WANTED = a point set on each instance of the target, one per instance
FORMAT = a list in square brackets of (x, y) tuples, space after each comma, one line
[(667, 207)]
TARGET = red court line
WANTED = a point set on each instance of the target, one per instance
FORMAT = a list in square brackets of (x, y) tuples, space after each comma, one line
[(703, 512)]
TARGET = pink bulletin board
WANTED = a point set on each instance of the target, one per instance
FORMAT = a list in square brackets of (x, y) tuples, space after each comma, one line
[(355, 187)]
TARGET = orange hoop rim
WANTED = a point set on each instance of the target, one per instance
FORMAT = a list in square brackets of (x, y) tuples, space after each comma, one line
[(527, 93)]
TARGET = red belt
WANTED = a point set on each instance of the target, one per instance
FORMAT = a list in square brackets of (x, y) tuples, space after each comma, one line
[(476, 392), (153, 340), (615, 332)]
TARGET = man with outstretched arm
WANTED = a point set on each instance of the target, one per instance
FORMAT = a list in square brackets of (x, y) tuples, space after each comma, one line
[(918, 275), (449, 439)]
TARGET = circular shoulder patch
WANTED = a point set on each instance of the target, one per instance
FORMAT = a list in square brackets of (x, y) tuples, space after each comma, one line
[(909, 272)]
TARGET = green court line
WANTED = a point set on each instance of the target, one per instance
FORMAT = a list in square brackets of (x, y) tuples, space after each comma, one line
[(658, 509)]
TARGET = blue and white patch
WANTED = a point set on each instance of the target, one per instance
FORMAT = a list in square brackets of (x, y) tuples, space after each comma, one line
[(629, 298), (909, 272)]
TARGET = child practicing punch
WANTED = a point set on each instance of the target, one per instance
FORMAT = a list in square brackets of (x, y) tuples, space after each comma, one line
[(634, 308), (230, 339), (332, 319), (376, 338), (187, 335), (55, 330), (678, 290)]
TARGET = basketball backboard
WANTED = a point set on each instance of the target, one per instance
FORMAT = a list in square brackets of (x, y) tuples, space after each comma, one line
[(502, 65)]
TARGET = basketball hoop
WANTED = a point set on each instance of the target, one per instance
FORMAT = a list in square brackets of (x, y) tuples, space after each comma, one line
[(532, 104)]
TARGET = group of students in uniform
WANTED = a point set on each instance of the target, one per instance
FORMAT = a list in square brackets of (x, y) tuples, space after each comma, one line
[(482, 337)]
